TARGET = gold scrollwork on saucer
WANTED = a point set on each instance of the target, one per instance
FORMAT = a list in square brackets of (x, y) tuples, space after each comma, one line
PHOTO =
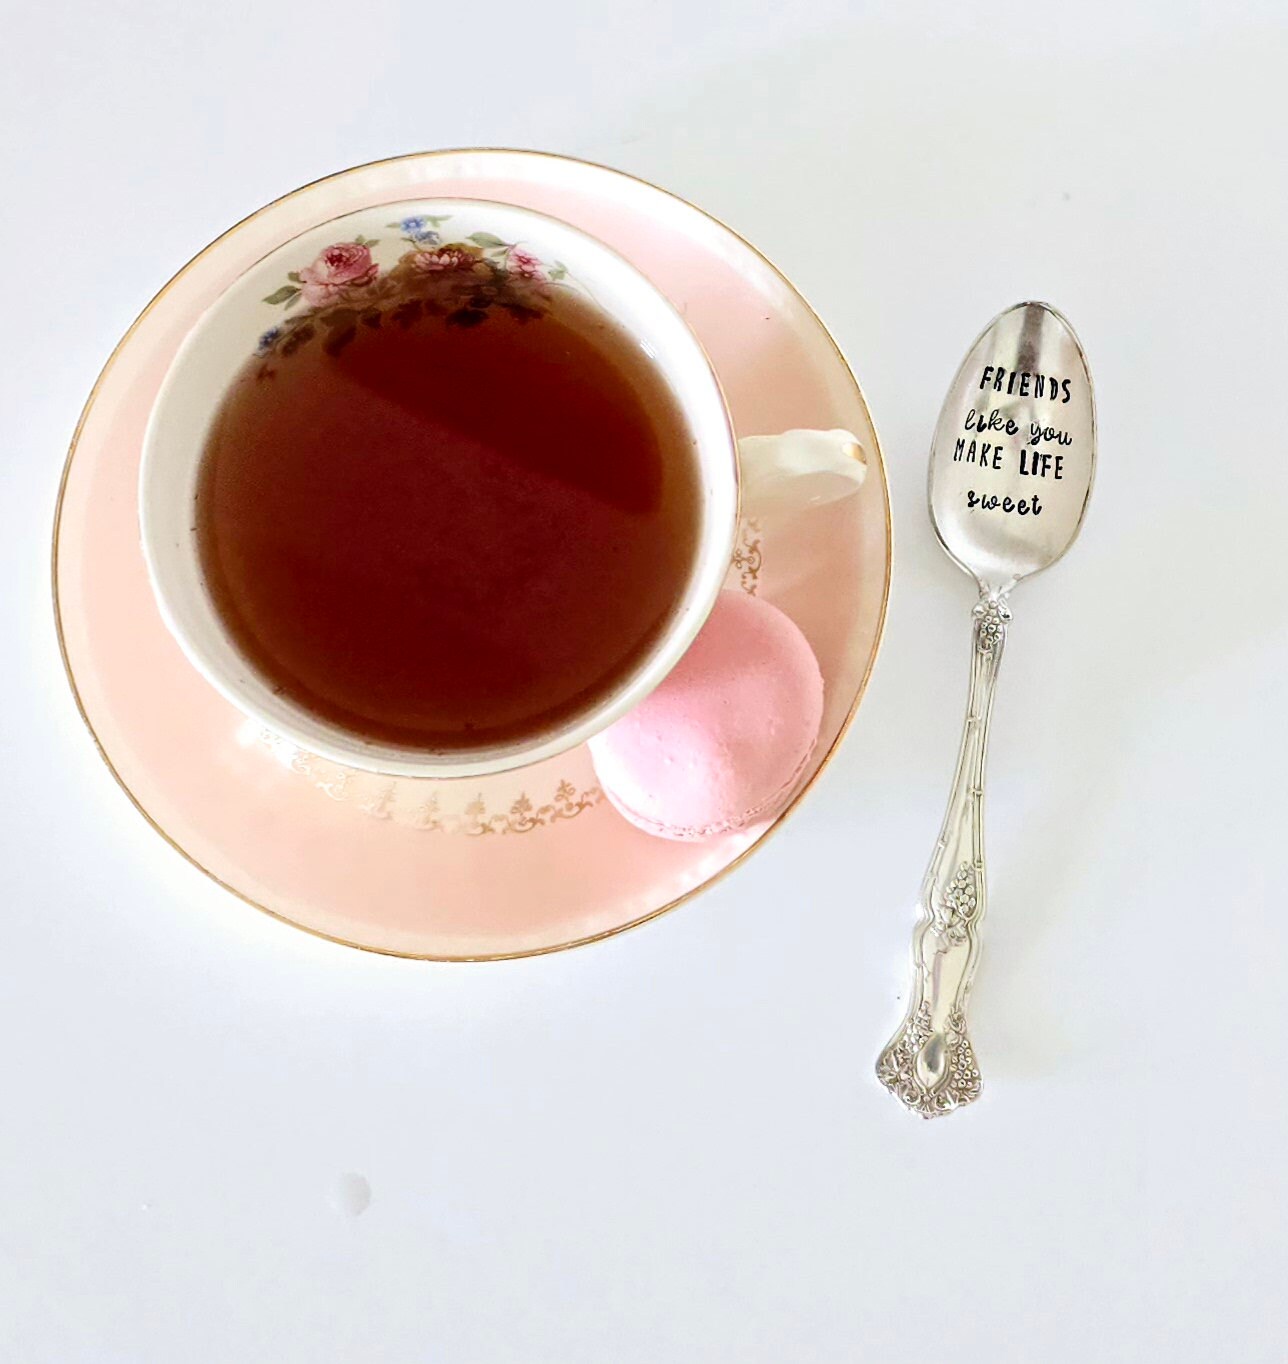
[(522, 817), (748, 557), (421, 804)]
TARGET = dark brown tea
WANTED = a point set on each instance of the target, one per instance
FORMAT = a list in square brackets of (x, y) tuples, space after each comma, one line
[(449, 528)]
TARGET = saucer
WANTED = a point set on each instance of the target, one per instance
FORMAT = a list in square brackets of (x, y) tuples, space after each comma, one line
[(501, 866)]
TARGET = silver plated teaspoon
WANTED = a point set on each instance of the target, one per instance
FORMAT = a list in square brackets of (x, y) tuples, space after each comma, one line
[(1011, 468)]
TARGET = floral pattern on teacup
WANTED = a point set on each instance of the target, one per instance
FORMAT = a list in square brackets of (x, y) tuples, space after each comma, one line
[(462, 281)]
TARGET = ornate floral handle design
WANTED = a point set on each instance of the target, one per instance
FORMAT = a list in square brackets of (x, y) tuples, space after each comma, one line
[(929, 1064)]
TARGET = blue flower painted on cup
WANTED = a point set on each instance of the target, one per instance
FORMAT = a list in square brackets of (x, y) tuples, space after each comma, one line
[(420, 230), (268, 340)]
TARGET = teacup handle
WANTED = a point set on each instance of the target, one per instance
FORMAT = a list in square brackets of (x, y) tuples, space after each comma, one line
[(799, 469)]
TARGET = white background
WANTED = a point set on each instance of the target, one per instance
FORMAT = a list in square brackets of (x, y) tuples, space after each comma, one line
[(670, 1146)]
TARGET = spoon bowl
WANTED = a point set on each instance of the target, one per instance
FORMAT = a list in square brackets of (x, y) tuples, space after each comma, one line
[(1014, 452)]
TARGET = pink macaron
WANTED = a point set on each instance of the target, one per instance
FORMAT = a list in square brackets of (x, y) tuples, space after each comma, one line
[(724, 739)]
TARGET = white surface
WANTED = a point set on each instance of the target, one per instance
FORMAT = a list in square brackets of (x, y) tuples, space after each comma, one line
[(670, 1147)]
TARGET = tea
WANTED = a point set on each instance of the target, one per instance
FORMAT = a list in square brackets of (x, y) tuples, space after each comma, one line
[(449, 529)]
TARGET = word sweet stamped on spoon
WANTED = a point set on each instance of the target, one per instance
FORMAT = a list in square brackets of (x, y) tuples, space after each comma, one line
[(1011, 468)]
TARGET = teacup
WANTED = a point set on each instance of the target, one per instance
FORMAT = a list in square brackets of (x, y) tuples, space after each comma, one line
[(346, 253)]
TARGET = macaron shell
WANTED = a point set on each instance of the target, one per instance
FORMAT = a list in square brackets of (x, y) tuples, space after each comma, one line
[(723, 740)]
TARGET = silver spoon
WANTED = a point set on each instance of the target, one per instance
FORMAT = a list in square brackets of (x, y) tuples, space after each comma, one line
[(1011, 467)]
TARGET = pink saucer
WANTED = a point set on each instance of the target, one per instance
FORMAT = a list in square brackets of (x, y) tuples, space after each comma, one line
[(509, 865)]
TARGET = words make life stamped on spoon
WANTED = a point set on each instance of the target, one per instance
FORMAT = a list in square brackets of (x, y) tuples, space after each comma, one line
[(1011, 468)]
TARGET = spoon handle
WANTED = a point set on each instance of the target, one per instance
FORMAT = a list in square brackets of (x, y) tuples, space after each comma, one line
[(929, 1064)]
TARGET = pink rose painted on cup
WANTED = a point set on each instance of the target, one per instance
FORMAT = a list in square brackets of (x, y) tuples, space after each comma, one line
[(336, 271), (523, 263), (442, 260)]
